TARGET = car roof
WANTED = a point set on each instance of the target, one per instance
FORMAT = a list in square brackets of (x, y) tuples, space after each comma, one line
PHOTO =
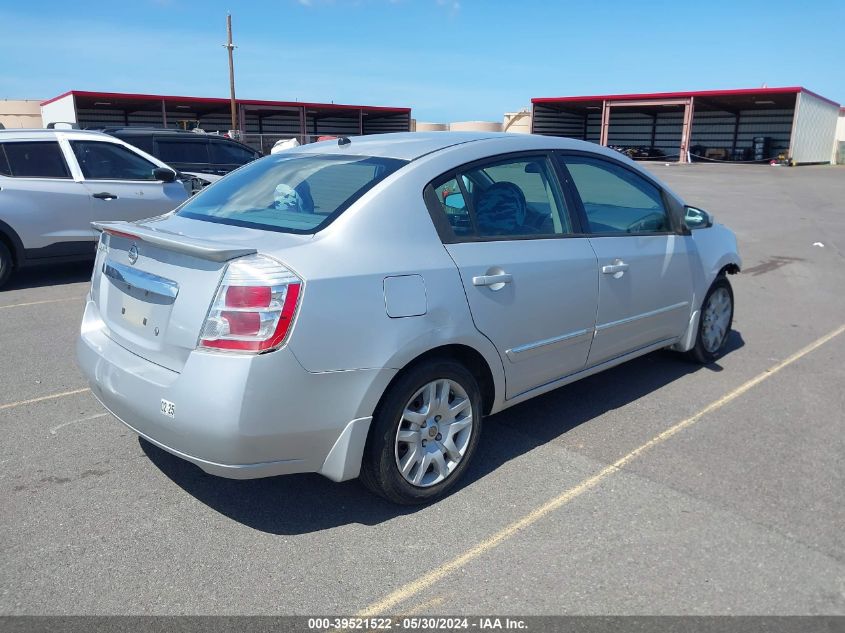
[(148, 131), (40, 133), (413, 145)]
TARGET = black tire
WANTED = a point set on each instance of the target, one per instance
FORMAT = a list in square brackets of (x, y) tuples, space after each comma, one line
[(379, 469), (7, 264), (700, 353)]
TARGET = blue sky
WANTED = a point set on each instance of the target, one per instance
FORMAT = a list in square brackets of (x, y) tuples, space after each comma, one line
[(447, 59)]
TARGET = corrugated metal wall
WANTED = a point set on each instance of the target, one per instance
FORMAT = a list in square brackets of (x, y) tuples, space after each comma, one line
[(284, 123), (714, 129), (710, 129), (107, 117), (815, 129), (630, 129), (634, 129), (552, 122), (382, 124)]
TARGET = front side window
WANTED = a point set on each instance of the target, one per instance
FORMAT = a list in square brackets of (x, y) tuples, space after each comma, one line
[(109, 161), (291, 194), (37, 159), (223, 153), (182, 150), (616, 200), (508, 198)]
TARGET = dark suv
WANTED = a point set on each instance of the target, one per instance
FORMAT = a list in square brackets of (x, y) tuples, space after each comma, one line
[(188, 151)]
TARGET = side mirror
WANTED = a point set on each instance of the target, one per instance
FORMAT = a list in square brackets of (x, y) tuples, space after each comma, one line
[(697, 218), (164, 174), (455, 200)]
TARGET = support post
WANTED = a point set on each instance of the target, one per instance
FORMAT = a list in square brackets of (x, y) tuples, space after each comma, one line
[(653, 128), (360, 122), (686, 132), (794, 129), (230, 47), (605, 123), (736, 134), (163, 113)]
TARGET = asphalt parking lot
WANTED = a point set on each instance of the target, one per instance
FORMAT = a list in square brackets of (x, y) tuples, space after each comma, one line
[(576, 504)]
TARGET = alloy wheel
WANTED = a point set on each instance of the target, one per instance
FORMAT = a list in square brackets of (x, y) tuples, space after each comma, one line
[(434, 433), (716, 320)]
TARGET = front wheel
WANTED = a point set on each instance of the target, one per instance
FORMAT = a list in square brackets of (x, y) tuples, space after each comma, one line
[(6, 264), (714, 324), (424, 433)]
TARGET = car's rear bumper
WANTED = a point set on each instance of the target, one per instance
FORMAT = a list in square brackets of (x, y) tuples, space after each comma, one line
[(238, 416)]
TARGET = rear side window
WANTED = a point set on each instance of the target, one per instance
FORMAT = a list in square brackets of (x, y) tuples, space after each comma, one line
[(38, 159), (223, 153), (182, 150), (291, 194), (510, 198), (109, 161), (616, 200)]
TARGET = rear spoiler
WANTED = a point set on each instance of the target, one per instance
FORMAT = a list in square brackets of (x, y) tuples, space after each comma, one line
[(205, 249)]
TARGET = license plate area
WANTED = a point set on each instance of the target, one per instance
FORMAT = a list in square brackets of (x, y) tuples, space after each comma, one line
[(140, 312), (137, 314)]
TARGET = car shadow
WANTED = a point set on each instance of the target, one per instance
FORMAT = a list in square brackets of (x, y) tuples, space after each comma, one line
[(50, 275), (299, 504)]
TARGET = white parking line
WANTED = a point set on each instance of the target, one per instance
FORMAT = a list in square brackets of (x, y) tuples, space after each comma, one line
[(37, 303), (20, 403), (56, 429)]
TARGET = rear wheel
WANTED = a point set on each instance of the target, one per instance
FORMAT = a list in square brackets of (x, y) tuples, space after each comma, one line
[(714, 324), (424, 433), (6, 264)]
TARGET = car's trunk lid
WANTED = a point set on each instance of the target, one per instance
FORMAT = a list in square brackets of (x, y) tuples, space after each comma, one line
[(154, 284)]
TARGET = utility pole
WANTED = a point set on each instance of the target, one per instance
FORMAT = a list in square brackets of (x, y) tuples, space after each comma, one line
[(230, 47)]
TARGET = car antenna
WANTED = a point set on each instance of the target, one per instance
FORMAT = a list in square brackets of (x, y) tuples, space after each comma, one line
[(343, 140)]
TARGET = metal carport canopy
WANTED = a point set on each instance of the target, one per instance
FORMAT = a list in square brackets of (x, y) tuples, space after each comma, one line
[(732, 101)]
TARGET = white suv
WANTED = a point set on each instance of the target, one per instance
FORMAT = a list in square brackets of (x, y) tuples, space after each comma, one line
[(54, 183)]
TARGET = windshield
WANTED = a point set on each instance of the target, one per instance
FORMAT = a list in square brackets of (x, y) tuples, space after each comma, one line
[(292, 194)]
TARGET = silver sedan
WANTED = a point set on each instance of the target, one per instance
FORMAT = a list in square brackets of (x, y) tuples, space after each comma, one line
[(356, 307)]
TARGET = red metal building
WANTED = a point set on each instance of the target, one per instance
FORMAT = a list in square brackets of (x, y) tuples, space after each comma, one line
[(262, 123), (709, 124)]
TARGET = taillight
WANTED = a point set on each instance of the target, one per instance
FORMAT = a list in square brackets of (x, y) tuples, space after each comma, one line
[(254, 306)]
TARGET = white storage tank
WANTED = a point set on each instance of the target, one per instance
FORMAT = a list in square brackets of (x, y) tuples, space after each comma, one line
[(475, 126), (517, 122), (431, 127)]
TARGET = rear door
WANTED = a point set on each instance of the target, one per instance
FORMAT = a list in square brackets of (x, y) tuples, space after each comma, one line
[(42, 202), (645, 280), (121, 183), (529, 277)]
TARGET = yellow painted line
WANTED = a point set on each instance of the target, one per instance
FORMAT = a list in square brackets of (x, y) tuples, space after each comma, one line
[(38, 303), (431, 578), (20, 403), (425, 607)]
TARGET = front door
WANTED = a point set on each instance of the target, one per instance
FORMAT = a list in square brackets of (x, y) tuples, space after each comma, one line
[(645, 278), (529, 279), (121, 183)]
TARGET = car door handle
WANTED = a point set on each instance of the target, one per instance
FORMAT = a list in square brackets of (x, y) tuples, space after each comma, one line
[(492, 280), (104, 195), (616, 267)]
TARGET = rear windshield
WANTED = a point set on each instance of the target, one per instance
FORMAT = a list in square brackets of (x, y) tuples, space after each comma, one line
[(292, 194)]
